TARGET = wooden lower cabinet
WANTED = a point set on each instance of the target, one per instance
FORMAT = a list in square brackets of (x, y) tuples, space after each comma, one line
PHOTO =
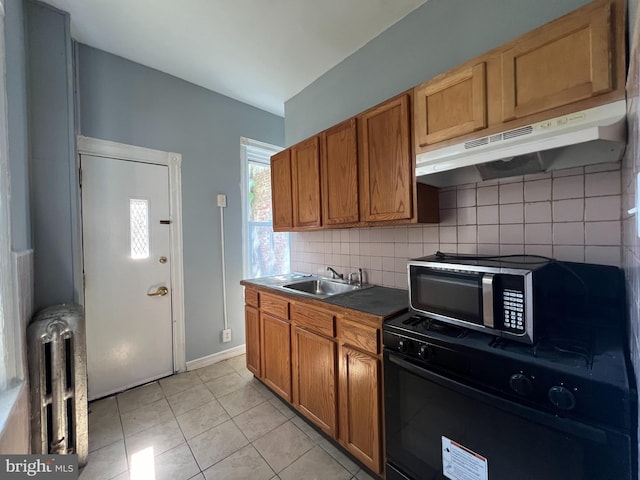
[(252, 338), (360, 384), (314, 378), (328, 366), (276, 354)]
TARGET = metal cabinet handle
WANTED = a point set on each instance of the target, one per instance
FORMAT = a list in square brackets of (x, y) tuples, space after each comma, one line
[(160, 292)]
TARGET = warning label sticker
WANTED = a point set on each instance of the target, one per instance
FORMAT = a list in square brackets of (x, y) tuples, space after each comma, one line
[(460, 463)]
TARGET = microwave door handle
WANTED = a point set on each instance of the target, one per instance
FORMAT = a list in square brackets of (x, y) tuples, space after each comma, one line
[(487, 300)]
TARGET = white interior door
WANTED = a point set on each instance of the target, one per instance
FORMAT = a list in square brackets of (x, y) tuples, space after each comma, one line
[(127, 273)]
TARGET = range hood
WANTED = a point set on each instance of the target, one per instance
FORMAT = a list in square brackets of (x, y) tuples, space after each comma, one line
[(596, 135)]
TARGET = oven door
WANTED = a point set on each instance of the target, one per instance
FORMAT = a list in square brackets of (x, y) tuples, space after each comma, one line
[(429, 418)]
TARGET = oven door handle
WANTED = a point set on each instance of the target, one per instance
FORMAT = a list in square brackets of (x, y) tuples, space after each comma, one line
[(551, 421)]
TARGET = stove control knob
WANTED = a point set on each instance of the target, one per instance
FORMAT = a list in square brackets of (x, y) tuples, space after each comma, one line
[(521, 384), (562, 398), (403, 346), (426, 352)]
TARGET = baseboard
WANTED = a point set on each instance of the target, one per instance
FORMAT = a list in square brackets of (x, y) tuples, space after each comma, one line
[(216, 357)]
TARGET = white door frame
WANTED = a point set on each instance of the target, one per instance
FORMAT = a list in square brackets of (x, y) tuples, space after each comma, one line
[(122, 151)]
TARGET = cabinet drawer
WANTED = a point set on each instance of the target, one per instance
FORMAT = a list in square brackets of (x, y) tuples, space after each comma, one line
[(314, 320), (274, 305), (251, 297), (358, 335)]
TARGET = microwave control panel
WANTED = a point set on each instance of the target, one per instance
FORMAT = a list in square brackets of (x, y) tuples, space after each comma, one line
[(512, 304)]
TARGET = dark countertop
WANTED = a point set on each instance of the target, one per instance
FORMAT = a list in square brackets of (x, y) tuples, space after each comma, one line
[(379, 301)]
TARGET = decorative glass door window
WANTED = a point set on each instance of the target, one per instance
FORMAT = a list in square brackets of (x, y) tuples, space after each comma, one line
[(139, 218)]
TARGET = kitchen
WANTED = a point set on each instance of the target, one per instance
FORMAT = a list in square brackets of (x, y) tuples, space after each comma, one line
[(385, 247)]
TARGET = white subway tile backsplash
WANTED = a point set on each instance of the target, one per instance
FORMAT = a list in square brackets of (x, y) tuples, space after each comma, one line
[(401, 234), (488, 195), (448, 235), (468, 248), (567, 172), (603, 233), (574, 215), (543, 250), (489, 249), (603, 208), (603, 183), (511, 213), (488, 234), (537, 191), (488, 215), (538, 234), (568, 210), (414, 235), (388, 264), (571, 233), (512, 234), (448, 216), (570, 253), (448, 199), (468, 234), (511, 193), (431, 234), (467, 216), (538, 212), (388, 249), (603, 255), (466, 197), (568, 187)]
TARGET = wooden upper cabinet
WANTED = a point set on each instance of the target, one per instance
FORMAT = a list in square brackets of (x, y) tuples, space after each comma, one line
[(281, 199), (340, 204), (305, 174), (386, 163), (451, 105), (565, 61)]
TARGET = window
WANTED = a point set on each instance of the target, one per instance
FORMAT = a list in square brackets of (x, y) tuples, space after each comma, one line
[(265, 252)]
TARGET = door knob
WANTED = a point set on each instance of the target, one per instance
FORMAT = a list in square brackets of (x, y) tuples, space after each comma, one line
[(160, 292)]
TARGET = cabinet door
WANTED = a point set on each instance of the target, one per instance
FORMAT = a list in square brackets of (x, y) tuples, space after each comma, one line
[(386, 166), (560, 63), (340, 174), (276, 354), (314, 378), (282, 203), (305, 171), (451, 105), (252, 338), (360, 406)]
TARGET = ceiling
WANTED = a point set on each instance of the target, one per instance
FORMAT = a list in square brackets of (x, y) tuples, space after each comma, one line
[(261, 52)]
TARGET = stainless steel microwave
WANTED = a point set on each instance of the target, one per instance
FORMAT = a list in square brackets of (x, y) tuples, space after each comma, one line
[(494, 295)]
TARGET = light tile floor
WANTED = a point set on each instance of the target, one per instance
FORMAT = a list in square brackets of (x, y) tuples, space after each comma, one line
[(217, 422)]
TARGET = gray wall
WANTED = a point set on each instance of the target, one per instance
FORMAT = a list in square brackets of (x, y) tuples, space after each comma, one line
[(129, 103), (53, 172), (17, 116), (439, 35)]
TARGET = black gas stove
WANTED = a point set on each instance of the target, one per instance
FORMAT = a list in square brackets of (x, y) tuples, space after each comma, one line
[(569, 398)]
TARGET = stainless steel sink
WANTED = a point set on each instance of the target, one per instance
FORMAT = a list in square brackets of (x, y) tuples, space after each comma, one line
[(322, 288)]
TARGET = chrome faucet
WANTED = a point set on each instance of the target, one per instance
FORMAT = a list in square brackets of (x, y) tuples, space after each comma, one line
[(335, 274), (360, 278)]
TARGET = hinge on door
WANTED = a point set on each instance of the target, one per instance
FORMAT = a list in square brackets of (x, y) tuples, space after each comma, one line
[(84, 281), (80, 176)]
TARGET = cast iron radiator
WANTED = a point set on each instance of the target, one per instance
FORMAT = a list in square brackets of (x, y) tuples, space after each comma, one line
[(58, 376)]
